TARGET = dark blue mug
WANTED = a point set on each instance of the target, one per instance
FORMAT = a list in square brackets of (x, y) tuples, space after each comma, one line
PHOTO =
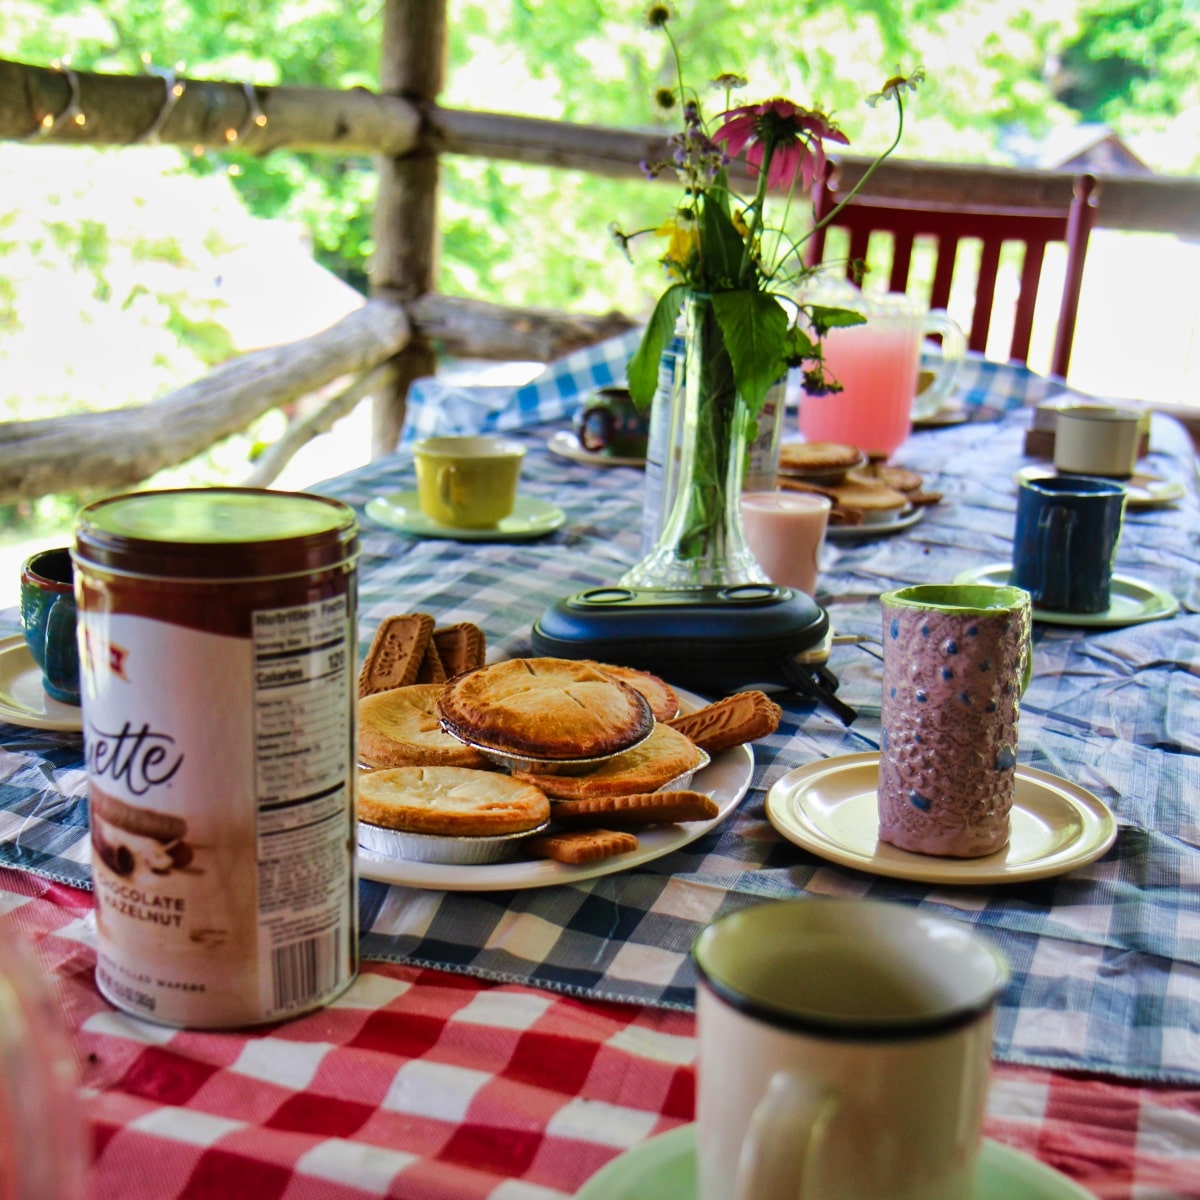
[(1066, 542), (48, 621)]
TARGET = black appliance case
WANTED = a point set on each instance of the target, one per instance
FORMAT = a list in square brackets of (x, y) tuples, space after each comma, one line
[(710, 640)]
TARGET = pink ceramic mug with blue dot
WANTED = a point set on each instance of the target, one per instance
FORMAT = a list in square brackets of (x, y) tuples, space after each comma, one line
[(956, 658)]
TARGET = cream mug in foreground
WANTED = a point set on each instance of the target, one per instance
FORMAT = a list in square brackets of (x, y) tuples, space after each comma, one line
[(467, 482), (843, 1052)]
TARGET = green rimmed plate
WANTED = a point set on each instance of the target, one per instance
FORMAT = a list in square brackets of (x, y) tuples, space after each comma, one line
[(666, 1166), (1132, 601), (530, 518)]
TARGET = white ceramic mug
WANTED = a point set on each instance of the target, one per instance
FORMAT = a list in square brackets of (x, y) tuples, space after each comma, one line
[(1097, 439), (843, 1052)]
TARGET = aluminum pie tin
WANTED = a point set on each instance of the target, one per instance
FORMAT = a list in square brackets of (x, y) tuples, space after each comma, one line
[(681, 783), (540, 766), (441, 848)]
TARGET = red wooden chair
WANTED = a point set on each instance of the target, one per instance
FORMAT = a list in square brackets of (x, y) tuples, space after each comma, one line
[(947, 226)]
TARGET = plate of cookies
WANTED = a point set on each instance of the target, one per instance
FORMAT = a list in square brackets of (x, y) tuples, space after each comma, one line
[(532, 772), (869, 499)]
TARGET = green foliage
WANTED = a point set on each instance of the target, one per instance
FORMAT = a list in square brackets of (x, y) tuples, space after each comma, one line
[(1132, 55)]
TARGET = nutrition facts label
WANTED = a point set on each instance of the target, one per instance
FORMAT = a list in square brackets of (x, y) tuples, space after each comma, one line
[(303, 769)]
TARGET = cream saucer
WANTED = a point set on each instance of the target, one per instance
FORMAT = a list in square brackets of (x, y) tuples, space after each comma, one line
[(830, 808), (529, 518), (1141, 490), (22, 698)]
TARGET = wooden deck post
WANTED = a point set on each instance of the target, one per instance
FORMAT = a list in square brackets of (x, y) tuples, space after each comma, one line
[(404, 263)]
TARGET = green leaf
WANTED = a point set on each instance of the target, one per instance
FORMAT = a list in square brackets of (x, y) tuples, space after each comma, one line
[(723, 246), (642, 372), (798, 346), (755, 327), (825, 319)]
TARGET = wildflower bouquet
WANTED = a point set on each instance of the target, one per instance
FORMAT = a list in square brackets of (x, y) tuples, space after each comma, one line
[(739, 270)]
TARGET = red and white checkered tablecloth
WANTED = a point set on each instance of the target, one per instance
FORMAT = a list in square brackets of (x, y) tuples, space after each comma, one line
[(424, 1084)]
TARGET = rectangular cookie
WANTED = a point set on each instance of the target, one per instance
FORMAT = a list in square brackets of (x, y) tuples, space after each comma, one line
[(431, 669), (645, 808), (730, 721), (396, 653), (461, 647), (581, 845)]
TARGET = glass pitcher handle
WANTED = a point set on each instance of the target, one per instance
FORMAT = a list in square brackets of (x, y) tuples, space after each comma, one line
[(954, 348)]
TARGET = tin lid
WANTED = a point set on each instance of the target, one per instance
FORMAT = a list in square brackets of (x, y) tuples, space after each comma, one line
[(215, 533)]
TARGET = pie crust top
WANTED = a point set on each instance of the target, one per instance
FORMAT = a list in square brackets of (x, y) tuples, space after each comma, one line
[(662, 758), (664, 702), (451, 801), (553, 708), (400, 728)]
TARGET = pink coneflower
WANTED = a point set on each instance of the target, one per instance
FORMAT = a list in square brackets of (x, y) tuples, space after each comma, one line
[(784, 135)]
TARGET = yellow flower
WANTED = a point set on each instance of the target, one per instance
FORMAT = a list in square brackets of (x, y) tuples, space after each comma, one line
[(684, 233)]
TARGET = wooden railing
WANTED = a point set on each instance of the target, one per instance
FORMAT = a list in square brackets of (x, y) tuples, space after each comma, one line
[(380, 349)]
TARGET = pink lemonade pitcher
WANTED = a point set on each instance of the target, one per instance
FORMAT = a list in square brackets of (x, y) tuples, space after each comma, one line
[(877, 365)]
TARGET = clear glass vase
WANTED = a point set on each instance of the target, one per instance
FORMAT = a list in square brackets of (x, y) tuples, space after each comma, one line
[(702, 542)]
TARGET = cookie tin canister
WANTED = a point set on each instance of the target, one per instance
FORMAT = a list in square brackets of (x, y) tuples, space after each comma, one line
[(218, 632)]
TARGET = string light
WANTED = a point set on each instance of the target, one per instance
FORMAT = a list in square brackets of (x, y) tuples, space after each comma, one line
[(172, 91), (71, 114), (254, 116)]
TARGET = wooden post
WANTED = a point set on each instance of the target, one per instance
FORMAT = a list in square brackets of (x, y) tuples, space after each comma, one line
[(404, 263)]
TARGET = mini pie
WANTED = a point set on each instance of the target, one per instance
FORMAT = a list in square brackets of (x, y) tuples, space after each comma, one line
[(664, 703), (400, 728), (451, 801), (551, 708), (665, 755)]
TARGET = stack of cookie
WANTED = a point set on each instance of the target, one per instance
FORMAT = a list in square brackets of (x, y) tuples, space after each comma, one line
[(564, 757), (862, 492)]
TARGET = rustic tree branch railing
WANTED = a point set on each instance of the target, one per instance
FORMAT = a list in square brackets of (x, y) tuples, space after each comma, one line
[(398, 334)]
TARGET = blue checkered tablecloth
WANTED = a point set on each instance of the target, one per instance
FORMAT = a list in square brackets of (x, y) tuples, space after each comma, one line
[(1106, 959)]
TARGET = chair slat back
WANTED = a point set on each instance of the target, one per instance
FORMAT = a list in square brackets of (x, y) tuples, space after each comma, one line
[(947, 227)]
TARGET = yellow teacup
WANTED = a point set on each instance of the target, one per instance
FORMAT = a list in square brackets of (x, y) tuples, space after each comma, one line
[(467, 482)]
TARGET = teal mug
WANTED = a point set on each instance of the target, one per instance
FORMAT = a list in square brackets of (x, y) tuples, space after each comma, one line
[(48, 621), (610, 423)]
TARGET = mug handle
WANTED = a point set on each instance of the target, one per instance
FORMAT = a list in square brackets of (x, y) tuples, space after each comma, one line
[(61, 675), (786, 1132), (445, 484), (588, 438), (954, 349)]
